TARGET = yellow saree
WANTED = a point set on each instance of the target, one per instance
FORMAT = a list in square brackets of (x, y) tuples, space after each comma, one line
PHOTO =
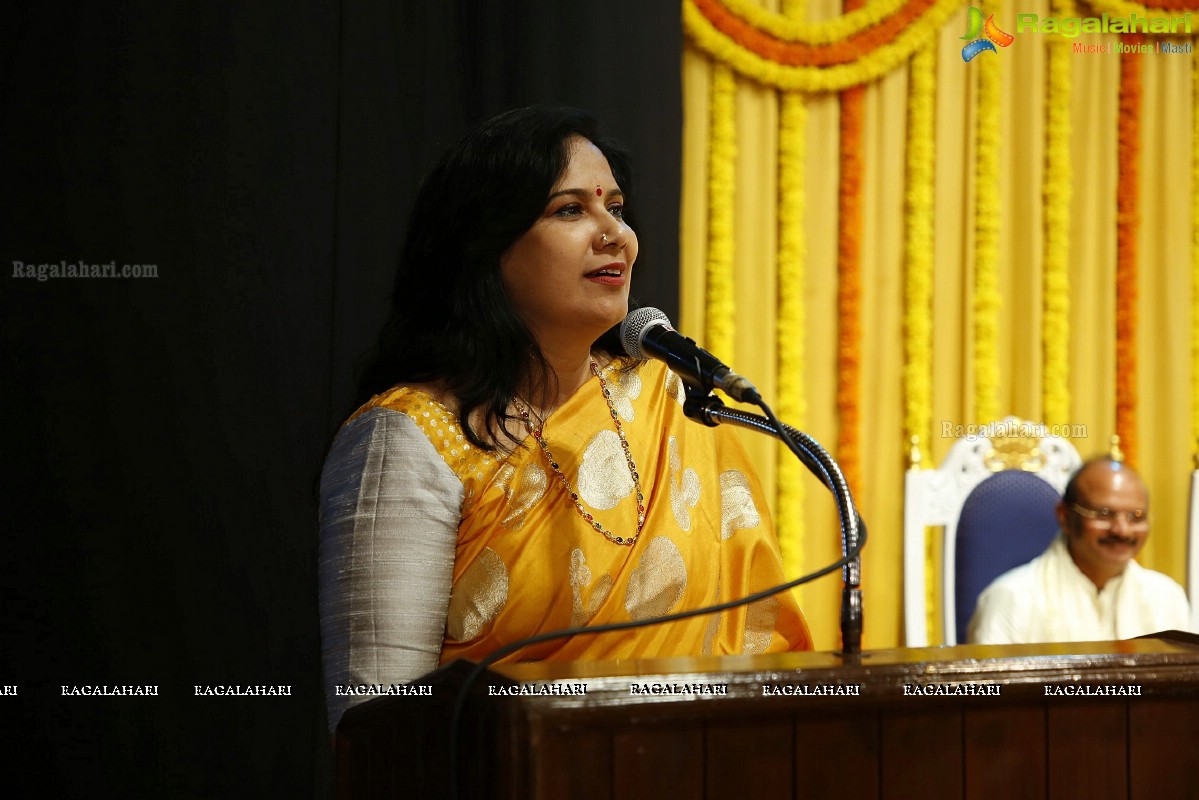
[(526, 561)]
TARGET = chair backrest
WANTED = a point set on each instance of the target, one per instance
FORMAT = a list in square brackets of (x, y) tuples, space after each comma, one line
[(938, 497), (1008, 520)]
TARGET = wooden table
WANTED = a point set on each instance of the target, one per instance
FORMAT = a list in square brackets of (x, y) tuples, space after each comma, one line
[(1081, 720)]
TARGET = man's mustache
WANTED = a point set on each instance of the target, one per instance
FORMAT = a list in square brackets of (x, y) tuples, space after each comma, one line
[(1115, 538)]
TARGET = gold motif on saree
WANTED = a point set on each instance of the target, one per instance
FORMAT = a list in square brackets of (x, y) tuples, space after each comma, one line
[(580, 578), (658, 583), (625, 390), (760, 619), (675, 388), (684, 487), (523, 489), (477, 596), (604, 478), (713, 626), (737, 508)]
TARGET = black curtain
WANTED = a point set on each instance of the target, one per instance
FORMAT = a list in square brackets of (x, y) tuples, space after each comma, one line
[(402, 104), (164, 434)]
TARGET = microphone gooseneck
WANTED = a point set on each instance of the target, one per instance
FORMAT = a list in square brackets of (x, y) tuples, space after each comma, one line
[(647, 333)]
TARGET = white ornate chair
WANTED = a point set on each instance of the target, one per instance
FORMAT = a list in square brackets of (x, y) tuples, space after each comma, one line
[(1193, 551), (994, 496)]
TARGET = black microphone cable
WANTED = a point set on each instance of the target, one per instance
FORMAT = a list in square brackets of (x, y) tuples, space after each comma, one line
[(493, 657)]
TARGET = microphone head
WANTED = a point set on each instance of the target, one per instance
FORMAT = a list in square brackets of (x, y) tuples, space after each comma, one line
[(635, 326)]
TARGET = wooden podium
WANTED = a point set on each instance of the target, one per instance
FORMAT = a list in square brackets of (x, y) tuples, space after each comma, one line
[(1081, 720)]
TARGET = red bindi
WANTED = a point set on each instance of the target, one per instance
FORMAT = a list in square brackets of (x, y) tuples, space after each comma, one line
[(599, 192)]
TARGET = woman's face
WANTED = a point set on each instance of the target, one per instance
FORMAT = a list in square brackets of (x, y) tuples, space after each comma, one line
[(568, 276)]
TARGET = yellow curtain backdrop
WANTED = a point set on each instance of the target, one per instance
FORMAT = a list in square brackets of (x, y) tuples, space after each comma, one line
[(988, 268)]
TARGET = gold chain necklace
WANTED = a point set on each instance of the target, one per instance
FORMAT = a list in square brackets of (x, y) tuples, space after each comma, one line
[(626, 541)]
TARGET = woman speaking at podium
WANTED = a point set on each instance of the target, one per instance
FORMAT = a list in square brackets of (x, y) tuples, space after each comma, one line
[(517, 473)]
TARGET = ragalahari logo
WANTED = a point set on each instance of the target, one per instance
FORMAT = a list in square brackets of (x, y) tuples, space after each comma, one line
[(983, 36)]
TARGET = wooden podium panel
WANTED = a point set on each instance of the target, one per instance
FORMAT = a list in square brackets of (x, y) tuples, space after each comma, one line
[(981, 722)]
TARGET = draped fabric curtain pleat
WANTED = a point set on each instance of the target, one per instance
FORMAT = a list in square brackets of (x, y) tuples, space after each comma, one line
[(897, 243)]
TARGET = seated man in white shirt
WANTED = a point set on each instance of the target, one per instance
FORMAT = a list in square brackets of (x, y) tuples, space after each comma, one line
[(1086, 585)]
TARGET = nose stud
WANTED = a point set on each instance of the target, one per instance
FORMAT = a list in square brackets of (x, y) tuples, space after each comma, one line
[(604, 236)]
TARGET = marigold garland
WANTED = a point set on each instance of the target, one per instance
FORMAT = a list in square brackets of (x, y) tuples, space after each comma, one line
[(987, 212), (722, 153), (790, 338), (1124, 8), (918, 247), (797, 54), (1127, 227), (789, 27), (866, 64), (919, 241), (849, 286), (1195, 256), (1055, 325), (793, 116)]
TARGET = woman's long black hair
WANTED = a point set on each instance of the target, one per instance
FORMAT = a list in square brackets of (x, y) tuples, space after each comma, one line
[(451, 319)]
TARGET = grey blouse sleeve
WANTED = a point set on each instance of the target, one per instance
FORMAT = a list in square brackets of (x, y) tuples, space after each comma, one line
[(389, 514)]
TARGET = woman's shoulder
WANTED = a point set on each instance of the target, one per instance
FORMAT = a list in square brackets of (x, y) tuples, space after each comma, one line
[(424, 400), (431, 414)]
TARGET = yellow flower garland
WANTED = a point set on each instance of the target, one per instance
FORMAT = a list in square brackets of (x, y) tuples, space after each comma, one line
[(722, 152), (793, 114), (869, 66), (986, 240), (918, 247), (1055, 326), (919, 241), (789, 334), (1124, 8), (824, 32), (1195, 257)]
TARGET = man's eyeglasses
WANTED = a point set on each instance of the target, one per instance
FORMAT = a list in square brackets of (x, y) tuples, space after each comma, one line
[(1106, 518)]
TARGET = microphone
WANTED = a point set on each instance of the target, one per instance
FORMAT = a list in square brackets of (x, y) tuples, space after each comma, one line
[(647, 333)]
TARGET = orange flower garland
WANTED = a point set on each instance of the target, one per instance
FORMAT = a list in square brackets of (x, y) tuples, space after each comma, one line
[(1127, 226), (847, 51), (790, 23), (801, 54), (849, 285)]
